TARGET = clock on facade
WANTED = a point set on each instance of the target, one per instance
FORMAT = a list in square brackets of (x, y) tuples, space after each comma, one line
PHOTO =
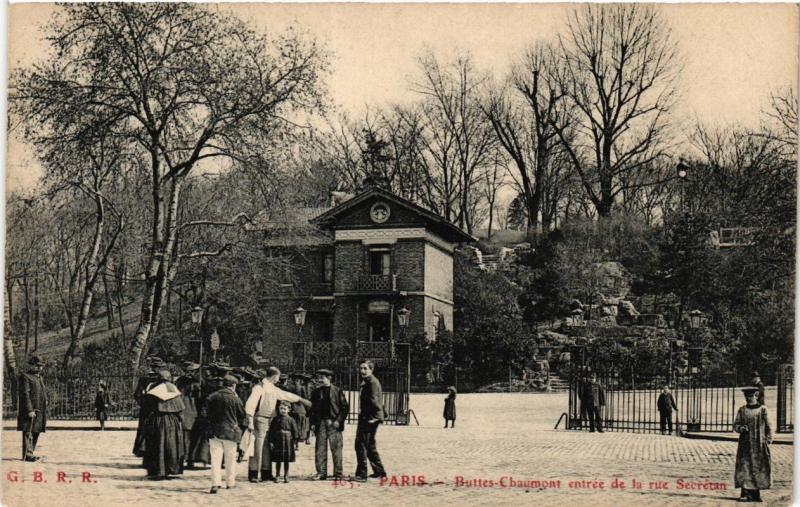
[(379, 213)]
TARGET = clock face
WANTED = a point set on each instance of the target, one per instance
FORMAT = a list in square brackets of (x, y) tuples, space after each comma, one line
[(379, 212)]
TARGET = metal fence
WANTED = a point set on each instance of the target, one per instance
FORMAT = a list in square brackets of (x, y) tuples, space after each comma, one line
[(785, 398), (71, 394), (704, 404)]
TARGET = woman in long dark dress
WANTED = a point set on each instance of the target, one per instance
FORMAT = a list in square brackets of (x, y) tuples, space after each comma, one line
[(450, 407), (753, 462), (282, 436), (163, 432)]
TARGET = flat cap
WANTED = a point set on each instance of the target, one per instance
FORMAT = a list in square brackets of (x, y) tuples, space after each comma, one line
[(325, 371)]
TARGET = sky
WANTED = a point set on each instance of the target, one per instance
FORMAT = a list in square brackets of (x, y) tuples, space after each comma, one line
[(734, 54)]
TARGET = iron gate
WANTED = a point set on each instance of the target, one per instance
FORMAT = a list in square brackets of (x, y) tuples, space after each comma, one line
[(704, 404), (785, 398), (392, 369)]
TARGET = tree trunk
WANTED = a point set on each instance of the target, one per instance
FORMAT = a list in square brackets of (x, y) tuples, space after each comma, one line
[(93, 266), (36, 313), (10, 302), (109, 306), (26, 286)]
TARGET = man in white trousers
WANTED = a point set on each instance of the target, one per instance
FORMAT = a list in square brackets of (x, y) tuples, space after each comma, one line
[(226, 419)]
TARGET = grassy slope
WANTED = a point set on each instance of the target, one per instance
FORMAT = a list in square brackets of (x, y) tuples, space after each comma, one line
[(53, 344)]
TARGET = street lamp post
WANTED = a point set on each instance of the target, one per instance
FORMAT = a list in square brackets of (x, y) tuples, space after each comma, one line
[(682, 171), (300, 320), (402, 319), (197, 320)]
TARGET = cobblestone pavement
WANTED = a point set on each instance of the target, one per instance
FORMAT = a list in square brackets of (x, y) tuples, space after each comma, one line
[(496, 436)]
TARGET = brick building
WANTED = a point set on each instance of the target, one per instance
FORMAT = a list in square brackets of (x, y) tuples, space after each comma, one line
[(354, 266)]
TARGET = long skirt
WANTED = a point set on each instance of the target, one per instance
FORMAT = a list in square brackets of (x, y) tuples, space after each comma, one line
[(163, 453), (303, 426), (198, 451), (282, 447), (138, 442)]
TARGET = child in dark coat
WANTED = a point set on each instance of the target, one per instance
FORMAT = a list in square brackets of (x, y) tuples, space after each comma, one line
[(450, 407), (282, 435)]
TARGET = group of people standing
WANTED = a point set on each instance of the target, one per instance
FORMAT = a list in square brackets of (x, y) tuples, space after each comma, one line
[(240, 413)]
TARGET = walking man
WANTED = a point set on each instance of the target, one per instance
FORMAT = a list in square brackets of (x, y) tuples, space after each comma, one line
[(226, 419), (32, 416), (666, 404), (595, 398), (370, 416), (329, 409), (260, 408)]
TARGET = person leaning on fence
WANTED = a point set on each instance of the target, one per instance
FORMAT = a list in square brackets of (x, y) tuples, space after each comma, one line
[(753, 462), (666, 404), (449, 413), (329, 410), (594, 397), (102, 404), (226, 420), (32, 412), (260, 408)]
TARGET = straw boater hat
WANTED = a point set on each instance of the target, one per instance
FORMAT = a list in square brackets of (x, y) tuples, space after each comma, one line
[(190, 366), (750, 390), (325, 371)]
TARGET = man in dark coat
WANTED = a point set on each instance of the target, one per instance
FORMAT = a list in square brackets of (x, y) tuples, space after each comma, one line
[(594, 397), (370, 416), (226, 420), (666, 404), (189, 385), (32, 413), (150, 377), (329, 409)]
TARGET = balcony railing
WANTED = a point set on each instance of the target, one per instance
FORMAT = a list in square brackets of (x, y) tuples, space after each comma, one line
[(377, 283)]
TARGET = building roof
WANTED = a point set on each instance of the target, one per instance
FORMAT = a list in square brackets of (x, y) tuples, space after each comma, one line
[(447, 230)]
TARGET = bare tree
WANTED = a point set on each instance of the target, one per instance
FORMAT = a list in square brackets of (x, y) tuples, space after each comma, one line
[(191, 83), (459, 141), (620, 66), (524, 115)]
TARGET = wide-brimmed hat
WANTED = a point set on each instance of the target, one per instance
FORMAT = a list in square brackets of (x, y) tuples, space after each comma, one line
[(325, 371), (35, 361), (750, 390), (190, 366), (451, 389)]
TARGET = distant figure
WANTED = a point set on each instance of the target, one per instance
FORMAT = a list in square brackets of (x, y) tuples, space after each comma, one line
[(226, 420), (282, 435), (760, 385), (594, 398), (163, 430), (32, 413), (666, 404), (753, 466), (298, 412), (450, 407), (101, 404)]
